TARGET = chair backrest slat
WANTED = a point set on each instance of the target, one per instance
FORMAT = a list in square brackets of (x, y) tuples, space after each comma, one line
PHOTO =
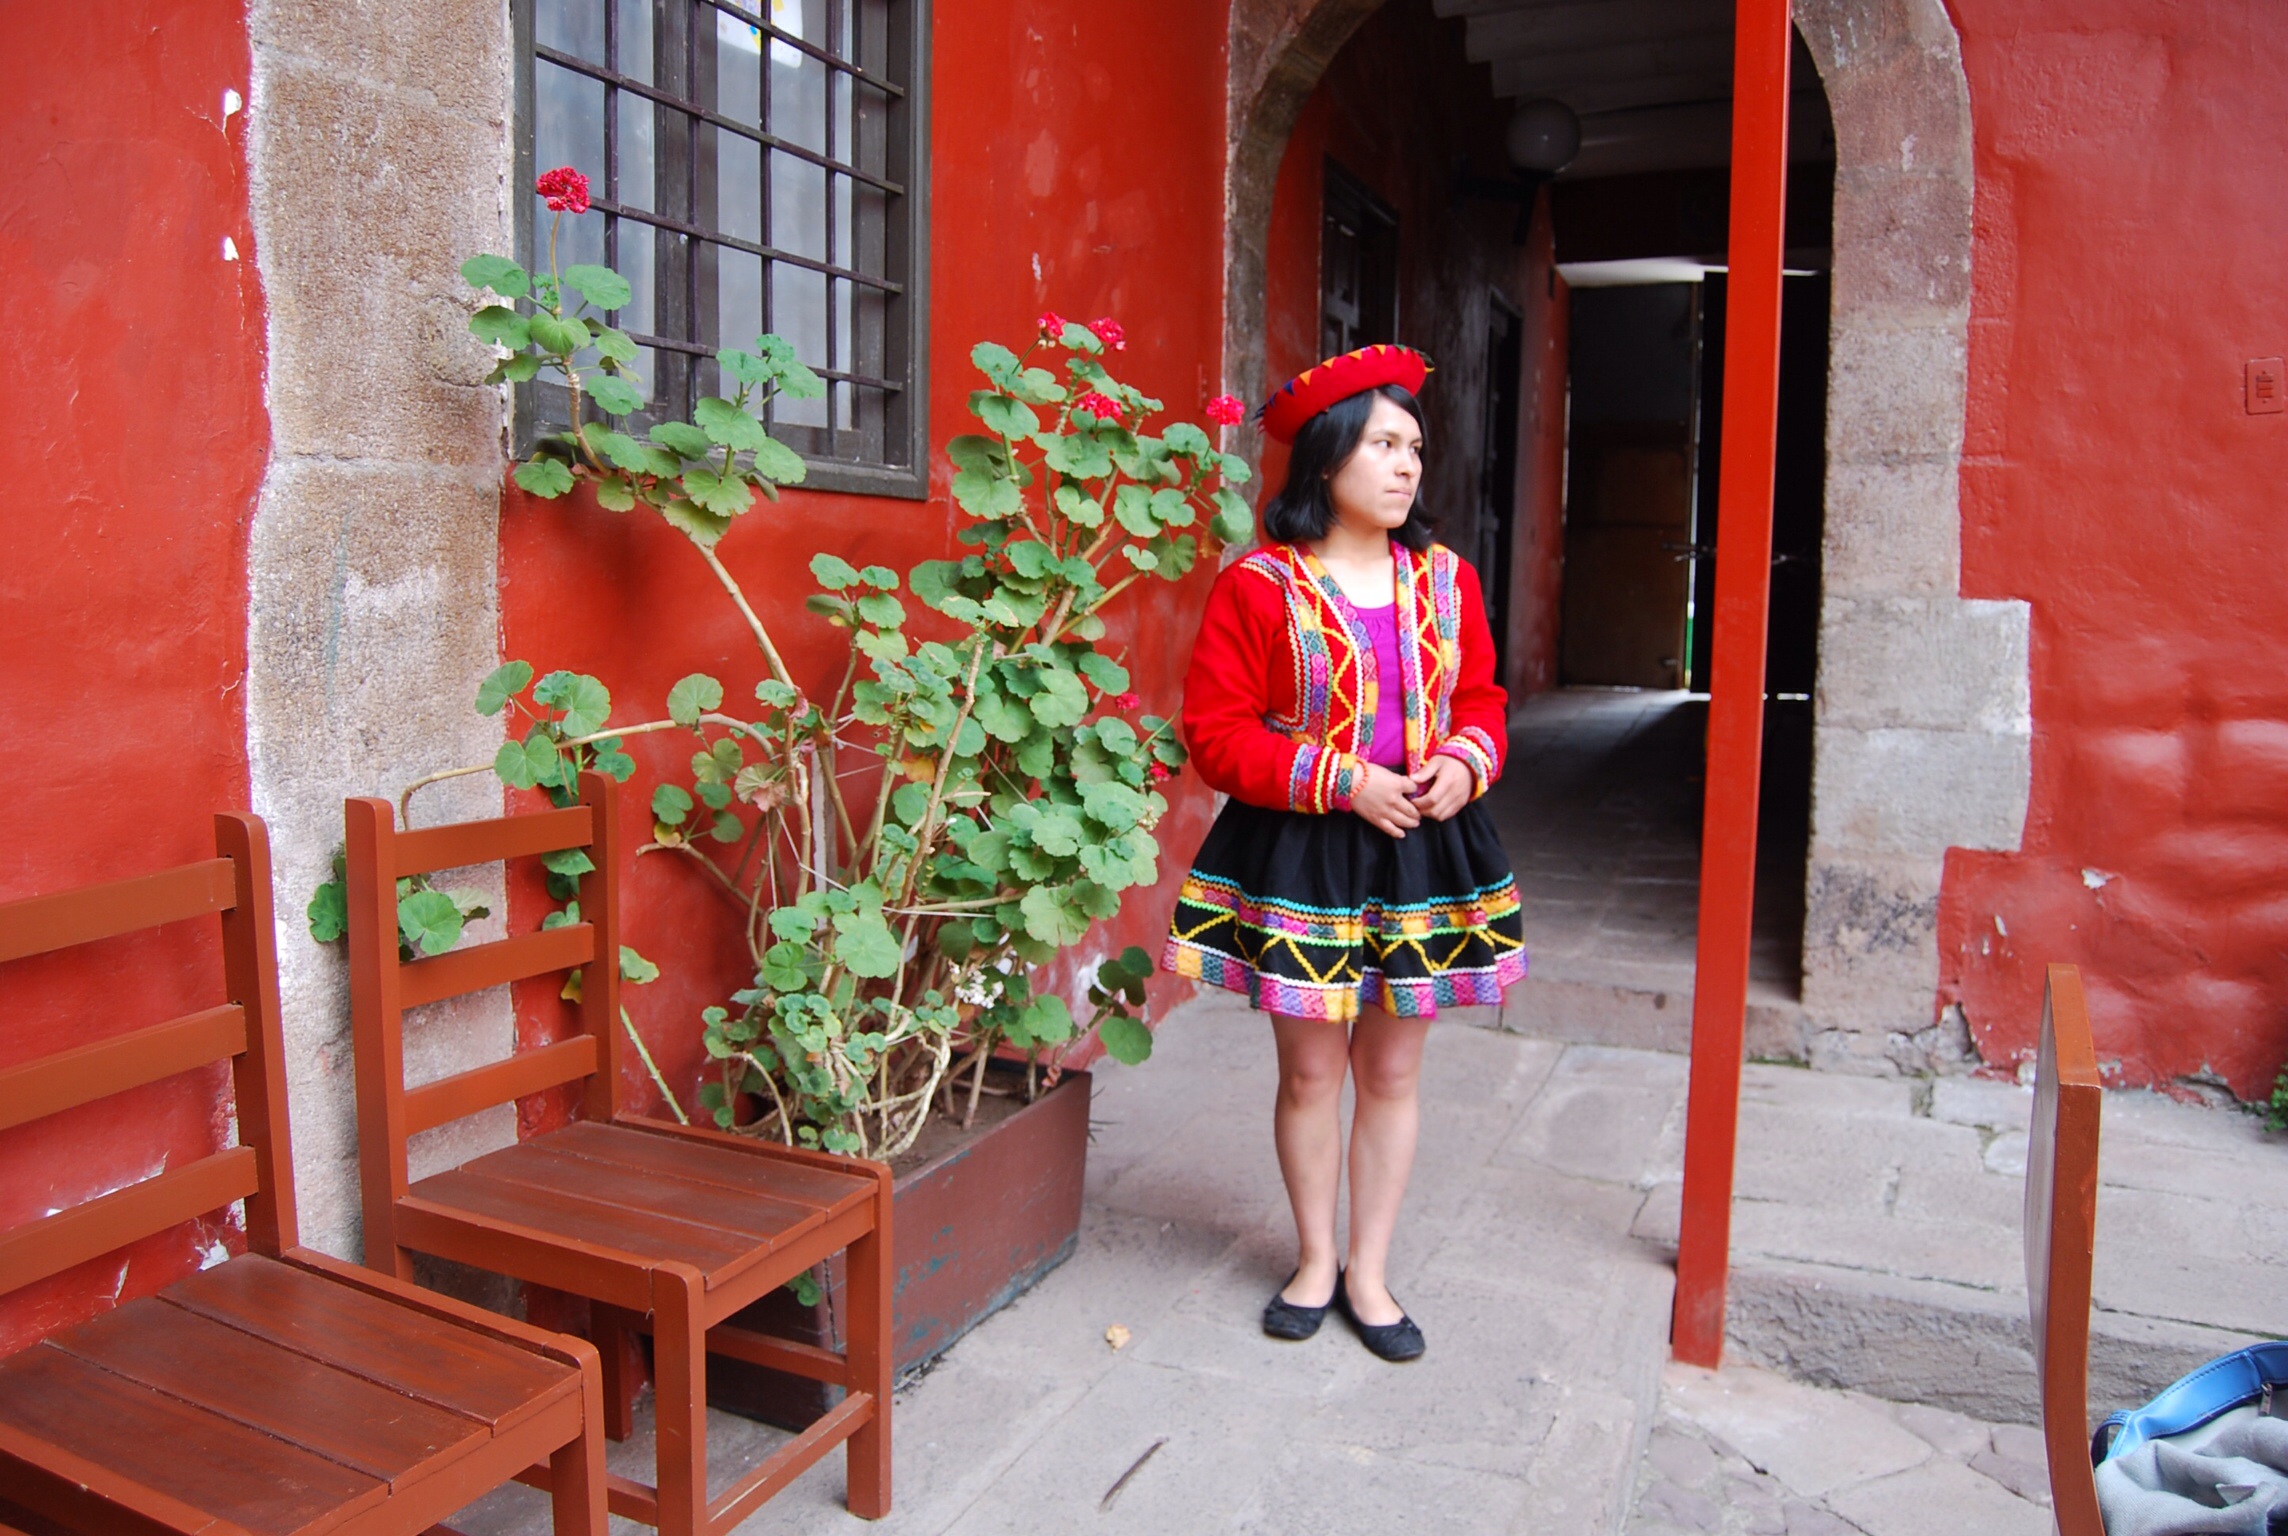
[(96, 1227), (35, 925), (488, 842), (243, 1031), (527, 1072), (491, 965), (2061, 1233), (86, 1073), (382, 986)]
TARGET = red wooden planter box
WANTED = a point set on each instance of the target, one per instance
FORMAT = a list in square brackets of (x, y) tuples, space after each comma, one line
[(973, 1229)]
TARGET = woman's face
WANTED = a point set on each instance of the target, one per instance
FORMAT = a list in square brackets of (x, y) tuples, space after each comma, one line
[(1377, 484)]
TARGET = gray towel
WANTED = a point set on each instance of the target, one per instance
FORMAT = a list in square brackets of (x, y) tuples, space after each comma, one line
[(2227, 1478)]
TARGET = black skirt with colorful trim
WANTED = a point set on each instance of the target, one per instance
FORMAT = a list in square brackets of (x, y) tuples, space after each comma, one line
[(1314, 916)]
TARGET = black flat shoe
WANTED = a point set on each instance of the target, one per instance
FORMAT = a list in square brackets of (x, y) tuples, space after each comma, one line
[(1396, 1342), (1282, 1319)]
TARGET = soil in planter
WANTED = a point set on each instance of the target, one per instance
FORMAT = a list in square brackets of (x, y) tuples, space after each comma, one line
[(945, 1133)]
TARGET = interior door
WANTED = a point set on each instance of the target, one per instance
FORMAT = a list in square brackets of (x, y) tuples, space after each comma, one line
[(1358, 266), (1630, 462)]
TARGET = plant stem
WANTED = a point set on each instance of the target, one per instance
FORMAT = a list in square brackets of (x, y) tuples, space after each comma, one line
[(404, 811), (747, 612), (652, 1067), (944, 768), (977, 1084)]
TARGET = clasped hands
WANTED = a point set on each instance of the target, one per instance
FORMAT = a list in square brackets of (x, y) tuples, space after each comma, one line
[(1396, 801)]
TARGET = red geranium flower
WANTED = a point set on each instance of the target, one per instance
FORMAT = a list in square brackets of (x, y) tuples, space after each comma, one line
[(1051, 323), (1109, 332), (1161, 773), (1126, 701), (1102, 407), (1226, 411), (565, 189)]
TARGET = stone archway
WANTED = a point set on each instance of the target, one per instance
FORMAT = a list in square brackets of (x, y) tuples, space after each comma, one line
[(1279, 49), (1922, 720)]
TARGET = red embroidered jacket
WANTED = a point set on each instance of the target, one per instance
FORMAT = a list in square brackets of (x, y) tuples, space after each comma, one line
[(1281, 697)]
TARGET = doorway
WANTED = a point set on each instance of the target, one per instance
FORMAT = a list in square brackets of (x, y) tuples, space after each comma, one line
[(1358, 266), (1497, 470), (1631, 447)]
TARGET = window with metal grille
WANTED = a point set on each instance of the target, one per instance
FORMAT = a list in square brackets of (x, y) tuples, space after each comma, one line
[(756, 166)]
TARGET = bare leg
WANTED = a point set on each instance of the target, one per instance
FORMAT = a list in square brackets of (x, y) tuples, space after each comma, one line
[(1307, 1126), (1386, 1067)]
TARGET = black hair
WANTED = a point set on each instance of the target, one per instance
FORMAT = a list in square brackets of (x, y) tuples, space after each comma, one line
[(1302, 508)]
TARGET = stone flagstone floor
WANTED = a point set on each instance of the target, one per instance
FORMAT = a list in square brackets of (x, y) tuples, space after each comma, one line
[(1535, 1252)]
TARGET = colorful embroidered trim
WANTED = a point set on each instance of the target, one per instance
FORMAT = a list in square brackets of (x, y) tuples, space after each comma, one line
[(1476, 749), (1325, 963), (1337, 690)]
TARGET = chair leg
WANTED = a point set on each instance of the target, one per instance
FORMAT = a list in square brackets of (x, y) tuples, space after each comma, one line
[(867, 1454), (623, 1370), (576, 1472), (679, 1397)]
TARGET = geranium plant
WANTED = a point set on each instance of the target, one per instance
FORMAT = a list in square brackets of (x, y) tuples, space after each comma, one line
[(1010, 777)]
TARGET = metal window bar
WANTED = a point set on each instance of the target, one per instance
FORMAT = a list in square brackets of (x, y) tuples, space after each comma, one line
[(867, 220), (613, 80), (696, 349), (772, 33)]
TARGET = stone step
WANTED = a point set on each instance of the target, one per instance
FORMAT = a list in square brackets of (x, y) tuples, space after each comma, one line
[(1646, 1007), (1877, 1239)]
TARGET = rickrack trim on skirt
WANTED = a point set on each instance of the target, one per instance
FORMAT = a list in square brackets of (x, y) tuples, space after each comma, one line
[(1321, 962)]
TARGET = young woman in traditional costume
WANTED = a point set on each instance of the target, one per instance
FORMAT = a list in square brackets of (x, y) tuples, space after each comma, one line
[(1342, 693)]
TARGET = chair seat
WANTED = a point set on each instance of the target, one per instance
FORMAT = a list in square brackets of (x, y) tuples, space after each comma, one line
[(262, 1395), (649, 1196)]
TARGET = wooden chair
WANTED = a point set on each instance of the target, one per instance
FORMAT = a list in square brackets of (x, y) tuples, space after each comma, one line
[(664, 1228), (280, 1391), (2061, 1228)]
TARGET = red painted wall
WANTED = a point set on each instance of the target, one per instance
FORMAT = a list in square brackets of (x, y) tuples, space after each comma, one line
[(133, 373), (2132, 210), (1400, 107), (1077, 156)]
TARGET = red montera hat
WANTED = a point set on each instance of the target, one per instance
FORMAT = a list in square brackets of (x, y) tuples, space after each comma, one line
[(1338, 378)]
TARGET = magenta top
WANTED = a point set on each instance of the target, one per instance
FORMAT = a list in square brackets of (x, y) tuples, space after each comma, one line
[(1389, 745)]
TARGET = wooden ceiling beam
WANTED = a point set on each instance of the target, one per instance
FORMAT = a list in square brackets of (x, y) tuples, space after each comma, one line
[(1615, 93), (1587, 24)]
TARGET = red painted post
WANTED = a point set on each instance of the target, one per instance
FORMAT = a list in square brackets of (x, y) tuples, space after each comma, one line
[(1736, 705)]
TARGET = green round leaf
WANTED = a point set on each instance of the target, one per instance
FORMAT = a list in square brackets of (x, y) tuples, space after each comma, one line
[(1233, 520), (329, 911), (429, 921), (682, 437), (502, 684), (724, 495), (1126, 1040), (833, 572), (615, 395), (693, 697), (585, 701), (545, 478), (498, 273), (775, 461), (500, 325), (702, 527), (865, 945), (560, 336), (728, 423), (614, 345), (602, 287)]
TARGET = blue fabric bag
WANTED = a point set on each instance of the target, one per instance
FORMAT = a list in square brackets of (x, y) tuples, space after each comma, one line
[(2207, 1457)]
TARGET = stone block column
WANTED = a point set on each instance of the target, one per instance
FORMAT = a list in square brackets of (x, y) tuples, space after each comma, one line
[(380, 155), (1922, 724)]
